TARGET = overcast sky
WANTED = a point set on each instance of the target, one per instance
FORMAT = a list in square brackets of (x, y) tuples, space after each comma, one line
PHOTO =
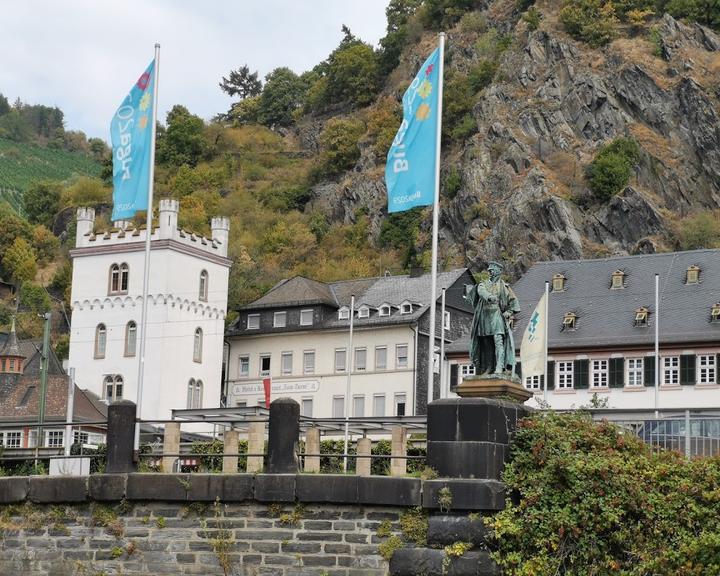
[(84, 55)]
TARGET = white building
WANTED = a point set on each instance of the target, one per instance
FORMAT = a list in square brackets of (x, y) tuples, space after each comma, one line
[(298, 335), (187, 300)]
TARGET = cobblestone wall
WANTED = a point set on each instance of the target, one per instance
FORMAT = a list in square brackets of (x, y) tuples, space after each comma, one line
[(198, 538)]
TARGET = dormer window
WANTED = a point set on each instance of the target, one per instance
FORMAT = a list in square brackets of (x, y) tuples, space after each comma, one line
[(279, 319), (558, 283), (692, 275), (641, 316), (618, 280), (253, 321), (306, 317), (384, 310), (344, 313), (406, 308), (569, 321), (364, 312), (715, 313)]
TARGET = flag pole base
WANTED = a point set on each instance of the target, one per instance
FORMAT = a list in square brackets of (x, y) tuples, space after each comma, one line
[(499, 387)]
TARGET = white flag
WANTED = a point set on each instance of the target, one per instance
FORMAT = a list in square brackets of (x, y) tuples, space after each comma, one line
[(532, 348)]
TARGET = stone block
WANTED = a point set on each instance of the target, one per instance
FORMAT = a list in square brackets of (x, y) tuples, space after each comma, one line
[(481, 495), (107, 487), (228, 488), (470, 459), (384, 490), (327, 488), (275, 487), (14, 489), (448, 529), (164, 487), (57, 489), (417, 561), (442, 420), (283, 436)]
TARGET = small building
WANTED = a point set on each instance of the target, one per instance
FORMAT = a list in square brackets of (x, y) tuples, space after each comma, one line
[(187, 301), (20, 389), (297, 334), (602, 320)]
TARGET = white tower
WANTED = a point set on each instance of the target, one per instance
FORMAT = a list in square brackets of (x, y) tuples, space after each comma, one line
[(187, 304)]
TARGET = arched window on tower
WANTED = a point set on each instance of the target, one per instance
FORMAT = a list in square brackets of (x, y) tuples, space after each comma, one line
[(113, 387), (119, 279), (194, 393), (203, 286), (197, 345), (100, 341), (124, 277), (130, 338)]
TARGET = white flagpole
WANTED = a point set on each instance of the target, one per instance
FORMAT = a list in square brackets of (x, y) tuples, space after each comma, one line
[(547, 323), (657, 341), (349, 380), (436, 215), (148, 234), (443, 392)]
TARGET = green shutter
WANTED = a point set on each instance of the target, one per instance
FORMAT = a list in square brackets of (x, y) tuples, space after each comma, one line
[(687, 369), (551, 375), (453, 376), (649, 371), (617, 372), (581, 374), (518, 370)]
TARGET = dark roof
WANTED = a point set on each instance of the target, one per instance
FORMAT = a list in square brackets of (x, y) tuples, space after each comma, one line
[(10, 347), (606, 317), (30, 350), (374, 292)]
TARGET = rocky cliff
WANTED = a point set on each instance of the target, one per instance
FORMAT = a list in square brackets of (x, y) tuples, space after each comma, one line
[(522, 193)]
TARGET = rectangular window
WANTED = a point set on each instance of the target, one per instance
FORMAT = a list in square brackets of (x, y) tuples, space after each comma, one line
[(635, 372), (706, 369), (340, 360), (286, 362), (13, 439), (379, 405), (532, 382), (599, 373), (279, 319), (253, 321), (244, 367), (467, 370), (671, 370), (338, 407), (264, 364), (401, 356), (306, 317), (446, 321), (306, 407), (358, 406), (381, 358), (360, 359), (309, 362), (400, 403), (564, 375), (80, 437), (54, 438)]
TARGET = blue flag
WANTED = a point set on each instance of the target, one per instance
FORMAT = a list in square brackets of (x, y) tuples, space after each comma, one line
[(410, 168), (131, 134)]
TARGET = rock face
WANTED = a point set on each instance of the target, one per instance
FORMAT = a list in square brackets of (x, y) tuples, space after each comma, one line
[(523, 195)]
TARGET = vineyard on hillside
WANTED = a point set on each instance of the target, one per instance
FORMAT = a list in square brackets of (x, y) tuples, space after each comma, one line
[(22, 164)]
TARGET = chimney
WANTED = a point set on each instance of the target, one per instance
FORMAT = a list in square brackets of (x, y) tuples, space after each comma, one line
[(169, 209), (221, 233), (85, 223)]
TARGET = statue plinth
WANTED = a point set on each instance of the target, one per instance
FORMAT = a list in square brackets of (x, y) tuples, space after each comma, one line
[(492, 387)]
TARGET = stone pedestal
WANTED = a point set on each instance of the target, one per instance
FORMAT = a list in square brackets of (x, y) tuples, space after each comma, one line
[(312, 446), (493, 387), (470, 437), (364, 465), (171, 445), (283, 436), (256, 445), (120, 437), (231, 445)]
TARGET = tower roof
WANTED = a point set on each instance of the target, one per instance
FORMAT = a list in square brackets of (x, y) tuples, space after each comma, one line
[(11, 347)]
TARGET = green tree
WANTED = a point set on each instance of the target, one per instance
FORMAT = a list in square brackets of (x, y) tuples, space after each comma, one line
[(46, 244), (339, 145), (400, 231), (397, 13), (353, 76), (12, 227), (610, 171), (42, 201), (20, 261), (14, 127), (593, 21), (86, 192), (4, 105), (241, 83), (34, 297), (182, 140), (283, 94)]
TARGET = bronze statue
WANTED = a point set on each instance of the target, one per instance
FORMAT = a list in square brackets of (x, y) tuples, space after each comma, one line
[(492, 349)]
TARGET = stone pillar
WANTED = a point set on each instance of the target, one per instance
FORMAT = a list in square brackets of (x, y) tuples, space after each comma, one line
[(171, 445), (283, 436), (120, 437), (312, 446), (231, 440), (256, 445), (470, 437), (364, 465), (398, 464)]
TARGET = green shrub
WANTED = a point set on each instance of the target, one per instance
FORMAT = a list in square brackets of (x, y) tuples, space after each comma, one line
[(610, 171), (532, 18), (466, 127), (699, 231), (452, 182), (592, 21), (339, 145), (400, 231), (593, 499), (457, 102), (34, 297), (482, 75)]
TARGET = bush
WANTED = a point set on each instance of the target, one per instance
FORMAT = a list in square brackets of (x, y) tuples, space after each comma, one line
[(457, 102), (610, 171), (700, 231), (400, 231), (34, 297), (482, 75), (451, 182), (532, 17), (42, 201), (592, 21), (593, 499), (339, 145)]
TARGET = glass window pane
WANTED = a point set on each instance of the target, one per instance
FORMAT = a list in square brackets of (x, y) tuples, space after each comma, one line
[(287, 362), (340, 357), (379, 405), (380, 358), (279, 319), (309, 362), (358, 406), (360, 359), (306, 408), (306, 317), (338, 410)]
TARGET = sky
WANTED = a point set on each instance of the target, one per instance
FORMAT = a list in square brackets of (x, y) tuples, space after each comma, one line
[(84, 55)]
